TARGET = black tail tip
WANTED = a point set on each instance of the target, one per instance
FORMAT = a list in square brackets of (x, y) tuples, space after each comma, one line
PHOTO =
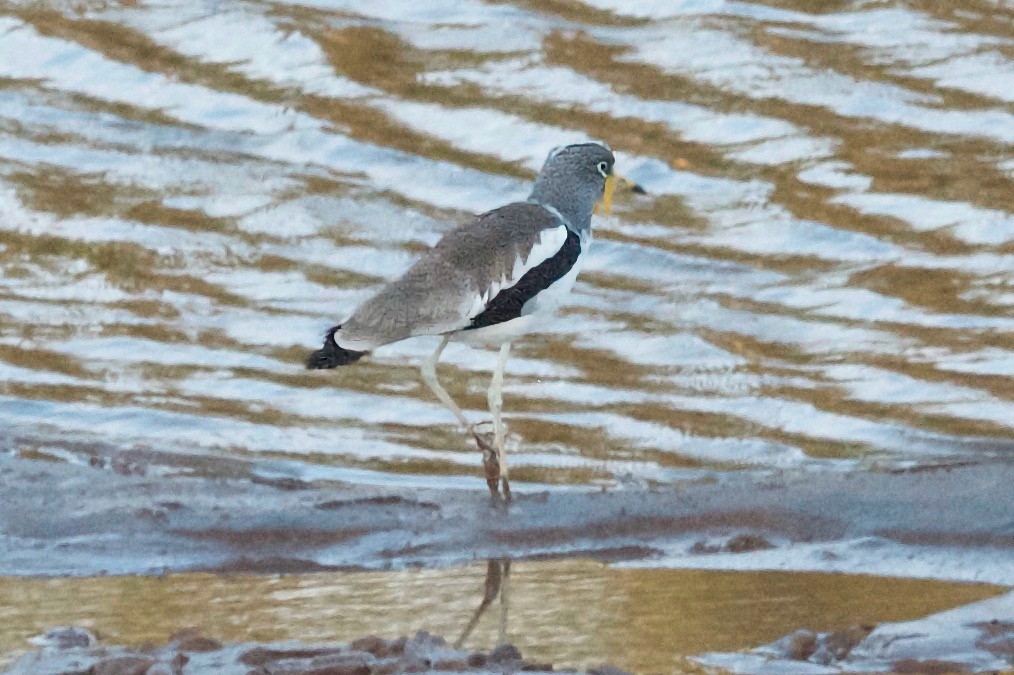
[(331, 355)]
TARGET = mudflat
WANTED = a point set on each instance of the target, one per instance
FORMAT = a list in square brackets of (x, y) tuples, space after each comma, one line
[(133, 512)]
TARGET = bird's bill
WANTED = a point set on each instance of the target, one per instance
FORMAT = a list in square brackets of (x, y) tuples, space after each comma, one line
[(605, 205), (628, 184)]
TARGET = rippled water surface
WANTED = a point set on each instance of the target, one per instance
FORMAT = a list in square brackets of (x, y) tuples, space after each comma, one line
[(821, 276)]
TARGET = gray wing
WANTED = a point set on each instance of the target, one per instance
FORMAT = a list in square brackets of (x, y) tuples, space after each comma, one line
[(452, 282)]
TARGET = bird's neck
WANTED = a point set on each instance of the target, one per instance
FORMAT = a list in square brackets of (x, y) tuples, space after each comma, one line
[(575, 215)]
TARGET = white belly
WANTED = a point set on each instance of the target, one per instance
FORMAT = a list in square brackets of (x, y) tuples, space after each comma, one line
[(498, 333)]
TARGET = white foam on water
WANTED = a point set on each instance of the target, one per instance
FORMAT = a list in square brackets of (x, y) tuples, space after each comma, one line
[(692, 48), (449, 12), (190, 432), (564, 87), (984, 73), (88, 310), (664, 9), (837, 175), (805, 419), (130, 350), (330, 403), (10, 373), (922, 153), (248, 43), (989, 361), (666, 270), (811, 336), (971, 224), (283, 134), (785, 150), (483, 130), (891, 35), (666, 352), (24, 53), (877, 385), (466, 357), (839, 301), (657, 436), (952, 635)]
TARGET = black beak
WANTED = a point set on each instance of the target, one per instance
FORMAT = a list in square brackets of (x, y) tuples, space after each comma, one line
[(628, 184)]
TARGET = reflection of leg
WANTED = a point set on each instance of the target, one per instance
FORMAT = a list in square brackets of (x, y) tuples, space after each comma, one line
[(504, 598), (494, 575), (495, 399), (429, 376)]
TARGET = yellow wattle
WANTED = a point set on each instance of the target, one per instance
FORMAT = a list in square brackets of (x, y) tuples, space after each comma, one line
[(605, 205)]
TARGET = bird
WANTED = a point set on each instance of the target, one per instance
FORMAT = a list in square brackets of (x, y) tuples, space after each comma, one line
[(488, 282)]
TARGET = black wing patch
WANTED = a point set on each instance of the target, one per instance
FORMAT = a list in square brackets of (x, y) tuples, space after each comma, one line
[(508, 303)]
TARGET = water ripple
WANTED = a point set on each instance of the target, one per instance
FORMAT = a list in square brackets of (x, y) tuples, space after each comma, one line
[(190, 193)]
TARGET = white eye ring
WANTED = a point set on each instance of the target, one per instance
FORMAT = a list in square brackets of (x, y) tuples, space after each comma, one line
[(603, 169)]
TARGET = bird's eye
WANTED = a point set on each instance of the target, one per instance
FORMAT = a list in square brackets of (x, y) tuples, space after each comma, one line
[(603, 169)]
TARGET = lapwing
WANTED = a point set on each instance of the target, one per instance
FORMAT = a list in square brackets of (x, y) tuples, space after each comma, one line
[(488, 282)]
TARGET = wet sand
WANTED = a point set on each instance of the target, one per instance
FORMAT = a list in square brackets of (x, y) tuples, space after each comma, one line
[(118, 512)]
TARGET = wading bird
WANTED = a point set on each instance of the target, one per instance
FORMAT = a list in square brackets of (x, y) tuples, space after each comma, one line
[(488, 282)]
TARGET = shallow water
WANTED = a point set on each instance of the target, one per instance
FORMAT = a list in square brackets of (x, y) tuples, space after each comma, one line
[(571, 613), (191, 192)]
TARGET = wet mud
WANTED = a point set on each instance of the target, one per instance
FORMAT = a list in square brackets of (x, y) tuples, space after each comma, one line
[(88, 517), (75, 650)]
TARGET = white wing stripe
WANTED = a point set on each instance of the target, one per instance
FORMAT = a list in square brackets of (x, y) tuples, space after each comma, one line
[(549, 244)]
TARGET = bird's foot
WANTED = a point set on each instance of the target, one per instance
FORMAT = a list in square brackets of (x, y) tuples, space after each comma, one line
[(489, 460), (485, 438), (491, 466)]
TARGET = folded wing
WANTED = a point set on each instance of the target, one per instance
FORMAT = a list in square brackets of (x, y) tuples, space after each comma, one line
[(480, 273)]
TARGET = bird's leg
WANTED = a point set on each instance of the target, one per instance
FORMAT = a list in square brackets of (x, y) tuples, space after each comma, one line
[(489, 458), (495, 398), (429, 376)]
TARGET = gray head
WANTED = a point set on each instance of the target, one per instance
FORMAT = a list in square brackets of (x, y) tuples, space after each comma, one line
[(573, 179)]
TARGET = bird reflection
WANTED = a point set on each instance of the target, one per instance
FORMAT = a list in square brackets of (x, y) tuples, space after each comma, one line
[(497, 583)]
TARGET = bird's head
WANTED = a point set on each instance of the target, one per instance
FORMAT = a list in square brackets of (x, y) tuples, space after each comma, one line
[(577, 179)]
